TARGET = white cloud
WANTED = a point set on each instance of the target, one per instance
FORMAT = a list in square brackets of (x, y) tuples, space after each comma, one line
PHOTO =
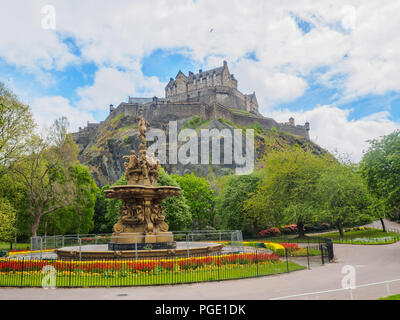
[(111, 86), (332, 128), (48, 109), (358, 39)]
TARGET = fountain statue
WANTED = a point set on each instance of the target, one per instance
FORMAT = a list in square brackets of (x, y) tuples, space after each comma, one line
[(141, 223), (141, 230)]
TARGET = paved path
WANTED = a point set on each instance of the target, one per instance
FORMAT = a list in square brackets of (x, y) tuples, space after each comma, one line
[(372, 264)]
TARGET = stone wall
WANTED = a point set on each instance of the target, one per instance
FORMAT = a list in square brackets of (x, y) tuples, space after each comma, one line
[(161, 111)]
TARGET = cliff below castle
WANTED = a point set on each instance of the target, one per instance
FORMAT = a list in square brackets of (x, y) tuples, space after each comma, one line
[(102, 146)]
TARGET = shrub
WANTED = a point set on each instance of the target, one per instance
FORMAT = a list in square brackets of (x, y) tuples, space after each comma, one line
[(275, 248), (270, 232), (291, 228)]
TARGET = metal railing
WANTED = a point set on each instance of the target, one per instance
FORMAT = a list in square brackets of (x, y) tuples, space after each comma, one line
[(144, 271)]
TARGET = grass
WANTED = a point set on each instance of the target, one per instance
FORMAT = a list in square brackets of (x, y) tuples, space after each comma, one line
[(395, 297), (162, 277), (20, 246), (368, 237)]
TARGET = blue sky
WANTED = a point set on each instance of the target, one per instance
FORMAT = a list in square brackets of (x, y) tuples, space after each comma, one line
[(333, 64)]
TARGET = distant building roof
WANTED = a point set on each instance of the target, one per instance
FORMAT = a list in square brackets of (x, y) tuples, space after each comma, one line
[(139, 100)]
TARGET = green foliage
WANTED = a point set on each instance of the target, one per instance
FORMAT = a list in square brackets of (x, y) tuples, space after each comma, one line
[(380, 167), (16, 124), (176, 210), (230, 202), (194, 123), (7, 220), (77, 217), (343, 196), (257, 128), (286, 193), (199, 197)]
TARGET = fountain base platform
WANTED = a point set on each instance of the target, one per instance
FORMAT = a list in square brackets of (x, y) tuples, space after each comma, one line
[(100, 251)]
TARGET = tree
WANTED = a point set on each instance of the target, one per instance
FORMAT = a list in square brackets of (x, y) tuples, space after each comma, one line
[(7, 221), (380, 167), (230, 202), (200, 199), (343, 196), (176, 210), (286, 194), (44, 172), (16, 124), (78, 216)]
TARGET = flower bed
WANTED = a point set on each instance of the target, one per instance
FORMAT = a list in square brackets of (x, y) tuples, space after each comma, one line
[(143, 272)]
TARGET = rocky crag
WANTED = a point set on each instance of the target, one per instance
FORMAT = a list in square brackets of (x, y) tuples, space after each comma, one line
[(206, 100), (103, 149)]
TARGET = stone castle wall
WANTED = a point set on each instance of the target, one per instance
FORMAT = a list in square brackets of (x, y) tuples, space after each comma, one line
[(160, 112)]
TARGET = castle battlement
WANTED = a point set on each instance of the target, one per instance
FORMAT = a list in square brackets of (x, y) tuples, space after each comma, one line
[(215, 85), (211, 94)]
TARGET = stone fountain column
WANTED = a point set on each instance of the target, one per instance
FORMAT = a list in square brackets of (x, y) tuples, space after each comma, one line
[(141, 223)]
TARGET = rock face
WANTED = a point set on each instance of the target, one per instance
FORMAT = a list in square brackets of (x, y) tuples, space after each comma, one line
[(104, 148)]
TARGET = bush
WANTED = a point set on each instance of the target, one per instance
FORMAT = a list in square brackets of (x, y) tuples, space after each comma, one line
[(291, 228), (317, 227), (275, 248), (270, 232)]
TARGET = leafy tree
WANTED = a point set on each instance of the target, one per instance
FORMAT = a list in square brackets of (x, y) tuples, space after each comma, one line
[(230, 202), (7, 221), (380, 167), (100, 223), (44, 173), (176, 210), (78, 216), (200, 199), (16, 124), (343, 196), (286, 194)]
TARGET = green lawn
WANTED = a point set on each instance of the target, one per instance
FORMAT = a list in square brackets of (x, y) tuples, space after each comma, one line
[(155, 278), (395, 297), (369, 236), (20, 246)]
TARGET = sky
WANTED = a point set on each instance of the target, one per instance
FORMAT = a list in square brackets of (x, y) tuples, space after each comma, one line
[(335, 63)]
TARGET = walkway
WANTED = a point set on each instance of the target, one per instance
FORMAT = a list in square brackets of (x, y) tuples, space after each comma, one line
[(372, 264)]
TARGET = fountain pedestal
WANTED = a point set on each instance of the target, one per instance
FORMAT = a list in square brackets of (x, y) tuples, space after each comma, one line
[(141, 224)]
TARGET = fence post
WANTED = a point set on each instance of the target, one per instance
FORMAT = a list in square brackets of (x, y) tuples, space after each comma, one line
[(22, 272), (80, 249), (41, 247), (308, 258), (187, 245), (219, 265), (257, 262), (322, 253), (136, 253), (70, 270), (287, 260)]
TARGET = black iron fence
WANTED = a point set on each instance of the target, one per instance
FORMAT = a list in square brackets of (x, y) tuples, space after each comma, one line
[(253, 262)]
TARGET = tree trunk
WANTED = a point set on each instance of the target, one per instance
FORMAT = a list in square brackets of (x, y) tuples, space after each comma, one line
[(383, 225), (300, 229), (339, 226), (35, 225)]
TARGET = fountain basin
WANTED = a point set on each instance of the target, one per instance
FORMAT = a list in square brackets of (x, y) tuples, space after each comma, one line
[(91, 252)]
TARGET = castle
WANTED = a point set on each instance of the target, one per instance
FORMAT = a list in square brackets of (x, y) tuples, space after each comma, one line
[(211, 94), (215, 85)]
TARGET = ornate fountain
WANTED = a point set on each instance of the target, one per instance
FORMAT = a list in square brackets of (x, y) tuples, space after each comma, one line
[(141, 223), (141, 230)]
